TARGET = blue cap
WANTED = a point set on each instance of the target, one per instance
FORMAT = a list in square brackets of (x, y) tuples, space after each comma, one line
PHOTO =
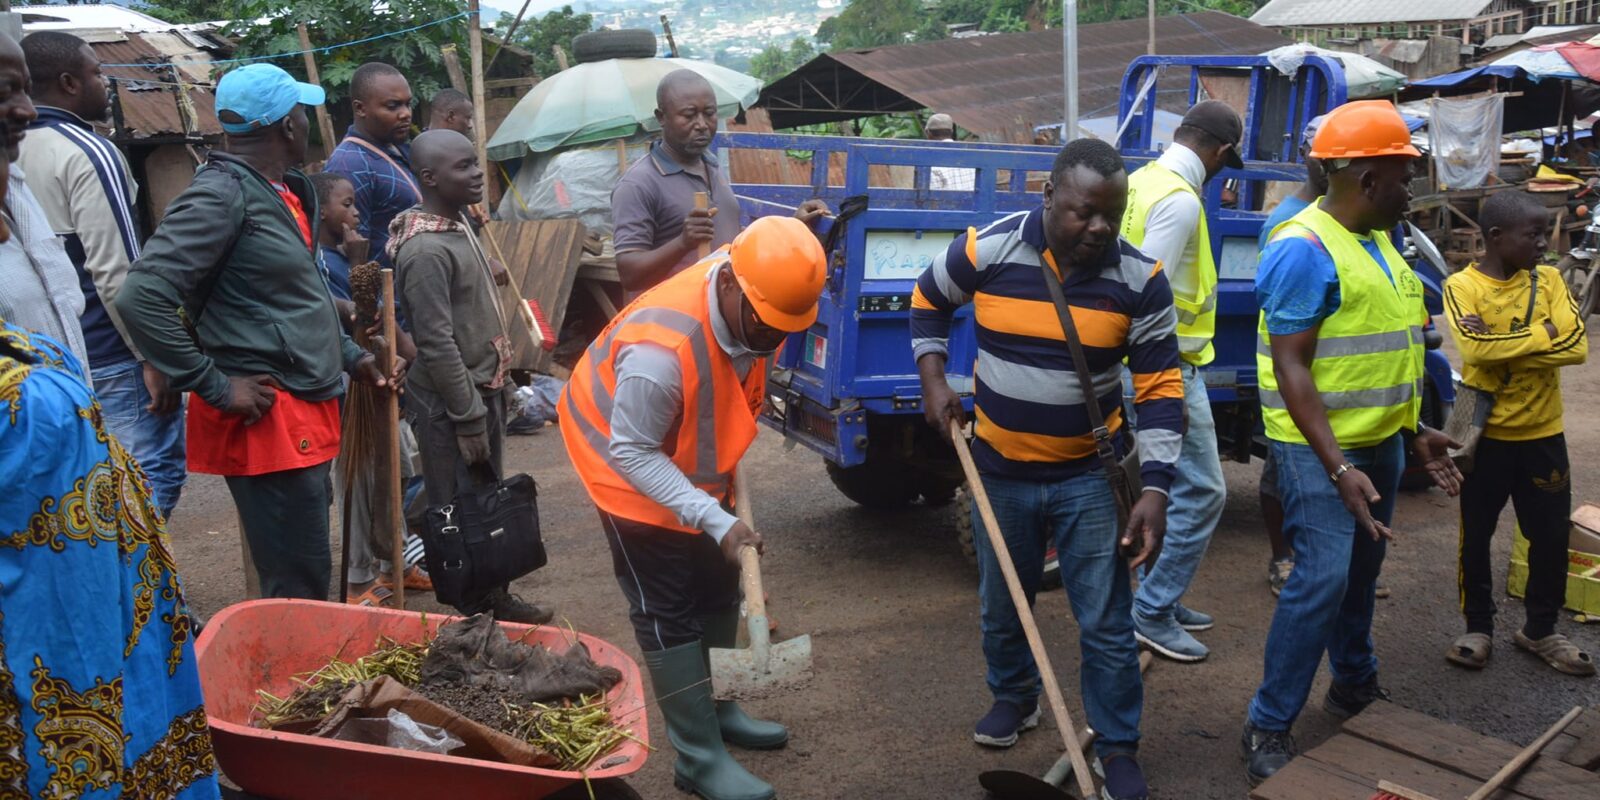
[(262, 94)]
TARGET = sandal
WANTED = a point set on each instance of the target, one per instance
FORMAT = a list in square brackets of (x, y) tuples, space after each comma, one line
[(379, 596), (1471, 651), (1558, 652), (416, 577)]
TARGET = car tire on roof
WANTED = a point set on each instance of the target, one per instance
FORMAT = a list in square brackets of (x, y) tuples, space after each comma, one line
[(625, 43)]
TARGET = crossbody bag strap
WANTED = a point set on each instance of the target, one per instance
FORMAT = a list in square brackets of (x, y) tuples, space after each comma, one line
[(1527, 318), (404, 173), (1102, 435)]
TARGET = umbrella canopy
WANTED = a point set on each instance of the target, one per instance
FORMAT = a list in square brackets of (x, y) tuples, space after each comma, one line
[(1540, 63), (603, 100), (1363, 76)]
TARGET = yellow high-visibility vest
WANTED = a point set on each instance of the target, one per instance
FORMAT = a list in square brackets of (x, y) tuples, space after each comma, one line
[(1197, 312), (1368, 366)]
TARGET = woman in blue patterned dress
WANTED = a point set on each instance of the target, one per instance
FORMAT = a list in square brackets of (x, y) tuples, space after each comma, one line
[(99, 695)]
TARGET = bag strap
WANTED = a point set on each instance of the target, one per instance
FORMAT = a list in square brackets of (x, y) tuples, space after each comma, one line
[(404, 173), (1527, 318), (1102, 435)]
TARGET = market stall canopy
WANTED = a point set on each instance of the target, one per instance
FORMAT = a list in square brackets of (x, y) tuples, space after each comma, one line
[(602, 100), (1541, 63), (1537, 104), (1364, 77)]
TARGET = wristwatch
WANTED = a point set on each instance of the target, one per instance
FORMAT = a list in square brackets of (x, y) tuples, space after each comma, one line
[(1343, 468)]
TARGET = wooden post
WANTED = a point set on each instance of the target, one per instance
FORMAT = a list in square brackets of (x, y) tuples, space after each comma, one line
[(1150, 13), (452, 67), (561, 56), (480, 125), (672, 46), (702, 201), (394, 515), (506, 39), (324, 122)]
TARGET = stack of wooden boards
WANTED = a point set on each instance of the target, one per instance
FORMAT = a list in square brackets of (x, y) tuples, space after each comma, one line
[(542, 257), (1390, 743)]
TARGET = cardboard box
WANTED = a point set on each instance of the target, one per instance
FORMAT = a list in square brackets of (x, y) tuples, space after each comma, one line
[(1583, 573)]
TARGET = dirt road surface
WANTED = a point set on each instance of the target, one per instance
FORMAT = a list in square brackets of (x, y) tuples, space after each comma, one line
[(890, 603)]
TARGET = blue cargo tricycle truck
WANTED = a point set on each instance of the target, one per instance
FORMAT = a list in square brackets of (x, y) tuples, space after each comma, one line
[(848, 387)]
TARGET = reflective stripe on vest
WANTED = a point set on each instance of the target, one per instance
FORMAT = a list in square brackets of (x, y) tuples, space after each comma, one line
[(717, 420), (1197, 313), (1368, 365)]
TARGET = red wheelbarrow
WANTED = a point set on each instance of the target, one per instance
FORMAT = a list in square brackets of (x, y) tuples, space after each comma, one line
[(262, 644)]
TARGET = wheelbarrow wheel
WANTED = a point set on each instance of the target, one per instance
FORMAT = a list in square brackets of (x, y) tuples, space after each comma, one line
[(608, 789)]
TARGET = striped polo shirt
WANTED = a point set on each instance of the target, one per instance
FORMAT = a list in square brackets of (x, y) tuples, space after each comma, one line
[(1031, 419)]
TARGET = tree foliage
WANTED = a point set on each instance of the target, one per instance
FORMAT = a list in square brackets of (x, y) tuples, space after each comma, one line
[(329, 22), (539, 36), (875, 23), (777, 61), (182, 12)]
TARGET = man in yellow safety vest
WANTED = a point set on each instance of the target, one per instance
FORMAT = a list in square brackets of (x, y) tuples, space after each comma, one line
[(1167, 220), (1340, 364)]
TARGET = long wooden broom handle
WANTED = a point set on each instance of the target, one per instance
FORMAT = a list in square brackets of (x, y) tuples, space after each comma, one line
[(396, 512), (1052, 689), (702, 201), (1521, 760)]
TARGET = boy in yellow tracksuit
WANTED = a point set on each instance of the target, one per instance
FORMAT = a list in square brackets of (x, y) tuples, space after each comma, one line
[(1516, 325)]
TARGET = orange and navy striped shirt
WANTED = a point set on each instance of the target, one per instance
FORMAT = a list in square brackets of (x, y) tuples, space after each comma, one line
[(1031, 419)]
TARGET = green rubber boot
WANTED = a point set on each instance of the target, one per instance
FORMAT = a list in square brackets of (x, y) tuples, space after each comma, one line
[(738, 728), (683, 692)]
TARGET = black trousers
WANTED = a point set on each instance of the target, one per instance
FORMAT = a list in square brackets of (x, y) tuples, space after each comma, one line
[(285, 519), (443, 471), (673, 581), (1535, 477)]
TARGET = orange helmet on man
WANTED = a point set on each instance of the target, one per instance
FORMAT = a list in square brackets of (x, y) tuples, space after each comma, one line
[(781, 268), (1363, 129)]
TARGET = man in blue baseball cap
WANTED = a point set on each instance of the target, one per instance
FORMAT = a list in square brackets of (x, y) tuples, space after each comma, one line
[(227, 299)]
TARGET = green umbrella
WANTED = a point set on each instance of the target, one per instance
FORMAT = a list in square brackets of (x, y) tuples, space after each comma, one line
[(603, 100)]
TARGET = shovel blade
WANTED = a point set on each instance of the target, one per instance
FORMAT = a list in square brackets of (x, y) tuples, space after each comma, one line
[(736, 673), (1005, 784)]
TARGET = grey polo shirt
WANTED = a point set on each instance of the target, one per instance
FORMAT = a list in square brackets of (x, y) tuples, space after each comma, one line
[(649, 204)]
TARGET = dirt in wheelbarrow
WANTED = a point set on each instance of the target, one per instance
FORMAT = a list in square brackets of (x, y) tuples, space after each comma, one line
[(483, 705)]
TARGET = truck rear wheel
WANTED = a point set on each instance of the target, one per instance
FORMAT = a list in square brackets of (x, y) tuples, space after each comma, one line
[(872, 486), (966, 537)]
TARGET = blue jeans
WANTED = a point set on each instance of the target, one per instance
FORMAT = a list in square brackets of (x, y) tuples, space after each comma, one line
[(155, 441), (1327, 604), (1080, 517), (1194, 506)]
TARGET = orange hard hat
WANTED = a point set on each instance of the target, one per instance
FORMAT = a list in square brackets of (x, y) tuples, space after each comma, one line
[(781, 268), (1362, 129)]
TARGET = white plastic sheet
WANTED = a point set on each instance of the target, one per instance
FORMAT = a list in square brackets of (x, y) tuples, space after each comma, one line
[(1363, 76), (1464, 138), (570, 184)]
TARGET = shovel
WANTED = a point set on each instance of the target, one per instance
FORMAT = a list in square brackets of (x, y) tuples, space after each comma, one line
[(763, 665), (1009, 784), (1016, 784)]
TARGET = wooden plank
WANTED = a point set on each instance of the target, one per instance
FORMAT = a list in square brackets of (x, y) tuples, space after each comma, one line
[(543, 256), (1459, 750), (1305, 779), (1371, 762), (1585, 751)]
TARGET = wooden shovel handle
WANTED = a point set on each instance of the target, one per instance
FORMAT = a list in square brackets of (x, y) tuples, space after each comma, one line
[(702, 201), (1052, 689), (755, 601)]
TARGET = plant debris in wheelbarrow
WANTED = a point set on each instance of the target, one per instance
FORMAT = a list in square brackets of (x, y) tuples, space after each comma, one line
[(505, 700)]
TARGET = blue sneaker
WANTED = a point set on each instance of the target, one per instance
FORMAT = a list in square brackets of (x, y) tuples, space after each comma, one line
[(999, 727), (1123, 778), (1192, 620), (1167, 639)]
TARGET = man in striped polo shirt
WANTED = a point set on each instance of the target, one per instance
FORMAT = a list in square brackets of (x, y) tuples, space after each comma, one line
[(1035, 446)]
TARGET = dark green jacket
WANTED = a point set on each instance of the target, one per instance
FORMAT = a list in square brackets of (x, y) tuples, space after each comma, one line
[(227, 287)]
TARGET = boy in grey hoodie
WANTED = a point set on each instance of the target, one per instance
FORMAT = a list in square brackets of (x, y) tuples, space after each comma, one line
[(460, 383)]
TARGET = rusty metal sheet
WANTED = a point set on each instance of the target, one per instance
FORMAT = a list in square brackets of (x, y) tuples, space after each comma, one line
[(149, 106)]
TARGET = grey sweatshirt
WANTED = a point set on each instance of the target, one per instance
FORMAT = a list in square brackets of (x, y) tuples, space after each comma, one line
[(449, 298)]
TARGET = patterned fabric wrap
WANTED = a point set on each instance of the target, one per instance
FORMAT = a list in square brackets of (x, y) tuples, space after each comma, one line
[(99, 693)]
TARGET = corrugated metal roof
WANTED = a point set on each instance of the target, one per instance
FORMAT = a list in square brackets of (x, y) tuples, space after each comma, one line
[(149, 106), (81, 17), (1001, 86), (1309, 13)]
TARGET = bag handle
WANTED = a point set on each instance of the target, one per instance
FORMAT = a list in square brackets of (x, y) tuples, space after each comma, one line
[(1102, 435)]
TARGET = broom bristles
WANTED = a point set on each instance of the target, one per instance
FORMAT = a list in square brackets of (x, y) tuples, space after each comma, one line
[(364, 449)]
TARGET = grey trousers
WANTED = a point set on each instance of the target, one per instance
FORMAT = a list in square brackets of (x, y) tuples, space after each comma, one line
[(443, 471)]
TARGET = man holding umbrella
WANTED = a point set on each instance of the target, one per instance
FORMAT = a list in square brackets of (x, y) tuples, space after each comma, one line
[(657, 229)]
